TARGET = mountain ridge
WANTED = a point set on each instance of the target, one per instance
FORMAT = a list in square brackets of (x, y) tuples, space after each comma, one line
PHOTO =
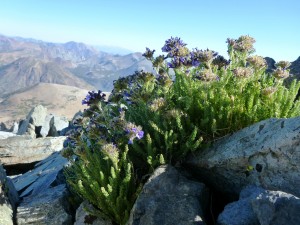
[(25, 62)]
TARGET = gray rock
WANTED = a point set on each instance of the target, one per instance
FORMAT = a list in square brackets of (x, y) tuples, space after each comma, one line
[(31, 131), (170, 198), (53, 125), (83, 217), (8, 199), (6, 126), (257, 206), (57, 124), (15, 128), (241, 212), (47, 207), (44, 193), (46, 126), (36, 117), (3, 127), (266, 154), (276, 208), (76, 118), (4, 134), (24, 149)]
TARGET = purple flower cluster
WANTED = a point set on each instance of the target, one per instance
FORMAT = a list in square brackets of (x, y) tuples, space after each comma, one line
[(173, 45), (149, 54), (220, 61), (206, 75), (92, 97), (204, 56), (133, 131), (69, 142), (181, 56), (129, 88), (179, 61), (189, 60), (242, 44)]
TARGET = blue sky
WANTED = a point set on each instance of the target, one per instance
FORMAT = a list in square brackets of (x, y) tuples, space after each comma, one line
[(136, 24)]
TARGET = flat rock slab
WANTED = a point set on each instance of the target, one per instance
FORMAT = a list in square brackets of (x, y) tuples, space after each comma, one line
[(4, 135), (266, 154), (43, 192), (47, 207), (25, 149), (41, 177)]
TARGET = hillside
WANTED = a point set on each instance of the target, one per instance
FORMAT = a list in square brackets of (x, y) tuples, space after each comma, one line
[(58, 99), (28, 71)]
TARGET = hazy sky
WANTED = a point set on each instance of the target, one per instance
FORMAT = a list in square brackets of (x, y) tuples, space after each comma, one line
[(136, 24)]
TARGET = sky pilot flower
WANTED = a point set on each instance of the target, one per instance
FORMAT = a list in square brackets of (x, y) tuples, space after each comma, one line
[(92, 97), (132, 131), (175, 47), (172, 43), (149, 54), (242, 72), (207, 75), (204, 56), (283, 65), (281, 73), (257, 61), (242, 44), (220, 61)]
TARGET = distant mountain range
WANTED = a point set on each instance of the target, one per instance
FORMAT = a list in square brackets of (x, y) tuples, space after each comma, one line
[(57, 76), (113, 49), (26, 62)]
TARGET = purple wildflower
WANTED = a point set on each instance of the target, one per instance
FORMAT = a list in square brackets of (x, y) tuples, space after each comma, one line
[(172, 43), (133, 132), (179, 61), (204, 56), (140, 134), (173, 46), (220, 61), (149, 54), (93, 97), (195, 63)]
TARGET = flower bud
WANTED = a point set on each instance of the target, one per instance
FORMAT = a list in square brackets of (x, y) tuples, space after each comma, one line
[(242, 72)]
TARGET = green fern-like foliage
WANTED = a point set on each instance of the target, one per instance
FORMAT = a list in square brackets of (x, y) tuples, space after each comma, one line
[(231, 103), (170, 133), (100, 170), (105, 180)]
